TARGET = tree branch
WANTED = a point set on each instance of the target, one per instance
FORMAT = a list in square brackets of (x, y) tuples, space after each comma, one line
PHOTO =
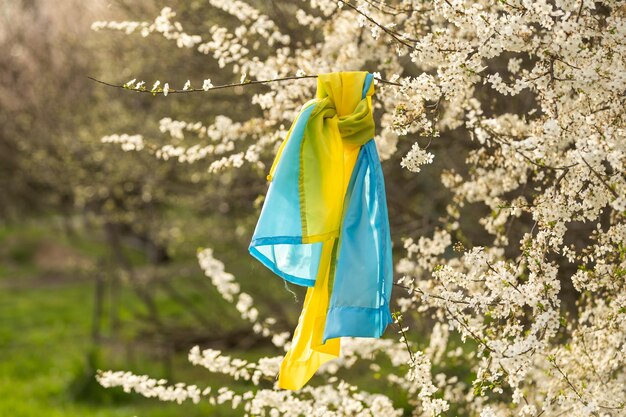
[(220, 87)]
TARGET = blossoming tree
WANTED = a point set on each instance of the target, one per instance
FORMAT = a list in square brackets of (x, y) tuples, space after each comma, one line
[(535, 91)]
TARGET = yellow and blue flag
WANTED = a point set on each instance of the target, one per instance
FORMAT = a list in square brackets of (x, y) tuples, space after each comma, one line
[(324, 224)]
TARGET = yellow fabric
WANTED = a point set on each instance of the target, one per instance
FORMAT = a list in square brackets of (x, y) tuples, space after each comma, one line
[(341, 122), (338, 125), (307, 353), (282, 145)]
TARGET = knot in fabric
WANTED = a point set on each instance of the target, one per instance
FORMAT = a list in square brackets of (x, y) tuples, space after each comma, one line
[(355, 128), (342, 96)]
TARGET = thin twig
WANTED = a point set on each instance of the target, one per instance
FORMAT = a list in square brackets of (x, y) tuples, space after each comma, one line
[(500, 138), (462, 13), (608, 187), (403, 333), (220, 87), (580, 10), (569, 383), (396, 11), (438, 297), (394, 35)]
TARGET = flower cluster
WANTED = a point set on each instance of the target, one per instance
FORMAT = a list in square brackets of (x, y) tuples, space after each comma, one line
[(415, 158), (126, 142)]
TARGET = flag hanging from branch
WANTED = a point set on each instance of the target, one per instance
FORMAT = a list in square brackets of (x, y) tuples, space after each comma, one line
[(324, 224)]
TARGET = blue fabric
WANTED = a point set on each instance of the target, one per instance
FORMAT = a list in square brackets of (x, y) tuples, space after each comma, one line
[(369, 78), (359, 304), (277, 239)]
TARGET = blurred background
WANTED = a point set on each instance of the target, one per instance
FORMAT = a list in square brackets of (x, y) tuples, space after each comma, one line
[(98, 266)]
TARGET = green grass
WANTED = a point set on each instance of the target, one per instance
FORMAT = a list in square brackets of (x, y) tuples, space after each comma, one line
[(47, 357), (44, 341), (45, 333)]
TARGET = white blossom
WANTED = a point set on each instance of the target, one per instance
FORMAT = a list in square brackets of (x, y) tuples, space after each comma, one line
[(416, 157), (207, 85), (126, 142)]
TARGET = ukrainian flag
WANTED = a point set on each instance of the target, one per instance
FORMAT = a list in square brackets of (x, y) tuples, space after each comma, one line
[(324, 224)]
